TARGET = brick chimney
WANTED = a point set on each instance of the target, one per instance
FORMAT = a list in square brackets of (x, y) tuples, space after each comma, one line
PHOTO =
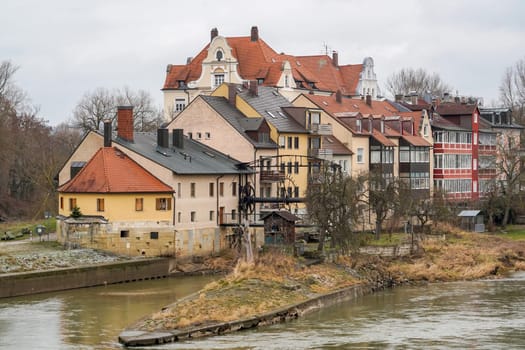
[(254, 88), (338, 96), (214, 32), (232, 94), (254, 34), (107, 133), (125, 123), (178, 138), (369, 100), (163, 137), (399, 98), (335, 58)]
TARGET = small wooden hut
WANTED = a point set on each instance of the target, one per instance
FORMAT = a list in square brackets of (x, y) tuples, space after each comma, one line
[(279, 227)]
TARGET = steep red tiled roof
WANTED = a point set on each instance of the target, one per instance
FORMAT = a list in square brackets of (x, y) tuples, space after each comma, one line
[(257, 60), (348, 105), (112, 171), (382, 139), (445, 109), (337, 147), (416, 141)]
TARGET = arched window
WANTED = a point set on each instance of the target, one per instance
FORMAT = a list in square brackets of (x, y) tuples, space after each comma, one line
[(219, 55)]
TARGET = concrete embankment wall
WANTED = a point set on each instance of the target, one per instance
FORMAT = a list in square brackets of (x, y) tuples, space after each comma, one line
[(135, 337), (16, 284)]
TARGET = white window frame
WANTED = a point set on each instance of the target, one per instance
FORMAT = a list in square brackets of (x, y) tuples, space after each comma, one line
[(360, 159)]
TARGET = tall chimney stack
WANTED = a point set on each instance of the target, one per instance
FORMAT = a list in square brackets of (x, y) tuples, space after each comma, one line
[(163, 137), (178, 138), (125, 123), (338, 96), (214, 32), (254, 34), (369, 100), (335, 58), (107, 133)]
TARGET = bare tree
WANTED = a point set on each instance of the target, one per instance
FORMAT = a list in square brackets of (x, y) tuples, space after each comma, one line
[(508, 166), (333, 205), (419, 80), (512, 89), (101, 104), (383, 198)]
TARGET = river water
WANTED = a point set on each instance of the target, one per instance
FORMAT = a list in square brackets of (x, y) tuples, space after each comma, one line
[(488, 314)]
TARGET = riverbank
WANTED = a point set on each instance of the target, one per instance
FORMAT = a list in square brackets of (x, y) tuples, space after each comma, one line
[(275, 282)]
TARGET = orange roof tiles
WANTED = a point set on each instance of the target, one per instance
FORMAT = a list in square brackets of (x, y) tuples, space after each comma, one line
[(347, 105), (112, 171), (257, 60)]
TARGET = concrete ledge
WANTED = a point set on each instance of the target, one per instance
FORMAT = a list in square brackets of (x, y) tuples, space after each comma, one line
[(133, 337), (16, 284)]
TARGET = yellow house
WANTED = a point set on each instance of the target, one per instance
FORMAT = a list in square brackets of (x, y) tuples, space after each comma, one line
[(200, 213), (295, 141)]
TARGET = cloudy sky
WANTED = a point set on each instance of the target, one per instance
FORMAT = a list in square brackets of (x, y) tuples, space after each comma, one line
[(65, 48)]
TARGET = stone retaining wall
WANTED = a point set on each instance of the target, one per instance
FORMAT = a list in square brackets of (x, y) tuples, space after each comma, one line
[(133, 337), (17, 284), (388, 251)]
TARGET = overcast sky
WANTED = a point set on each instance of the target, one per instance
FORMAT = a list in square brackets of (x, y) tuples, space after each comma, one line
[(65, 48)]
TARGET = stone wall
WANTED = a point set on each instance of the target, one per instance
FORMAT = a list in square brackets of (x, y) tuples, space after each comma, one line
[(26, 283)]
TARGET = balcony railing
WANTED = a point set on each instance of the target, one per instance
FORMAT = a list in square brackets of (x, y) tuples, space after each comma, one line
[(321, 153), (320, 129), (271, 175)]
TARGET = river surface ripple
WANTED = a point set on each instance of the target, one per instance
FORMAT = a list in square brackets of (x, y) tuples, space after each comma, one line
[(487, 314)]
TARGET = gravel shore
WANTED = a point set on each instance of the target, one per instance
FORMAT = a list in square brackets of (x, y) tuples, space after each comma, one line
[(27, 256)]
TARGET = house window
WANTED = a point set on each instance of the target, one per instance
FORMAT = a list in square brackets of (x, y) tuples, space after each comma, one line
[(179, 217), (72, 203), (289, 167), (192, 190), (234, 214), (211, 189), (190, 135), (425, 130), (163, 203), (199, 136), (282, 141), (474, 164), (193, 216), (218, 79), (207, 135), (100, 204), (296, 192), (221, 189), (180, 104), (234, 189), (360, 153), (286, 81), (475, 139), (219, 55), (139, 204), (179, 189), (296, 142), (124, 233), (474, 186), (358, 125), (290, 140), (212, 215), (296, 168), (154, 235), (315, 118), (61, 202)]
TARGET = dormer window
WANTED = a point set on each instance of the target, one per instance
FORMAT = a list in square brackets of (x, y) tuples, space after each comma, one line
[(286, 82), (358, 125), (260, 81), (219, 55)]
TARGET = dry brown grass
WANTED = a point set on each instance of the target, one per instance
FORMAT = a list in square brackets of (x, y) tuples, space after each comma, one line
[(462, 256), (274, 281)]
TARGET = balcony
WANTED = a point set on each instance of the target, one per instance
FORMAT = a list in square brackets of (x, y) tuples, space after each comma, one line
[(271, 175), (320, 129), (320, 153)]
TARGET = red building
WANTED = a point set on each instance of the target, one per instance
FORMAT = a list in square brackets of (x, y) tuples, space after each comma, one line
[(461, 139)]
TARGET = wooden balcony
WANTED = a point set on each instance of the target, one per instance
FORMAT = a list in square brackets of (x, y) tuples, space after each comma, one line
[(320, 129), (271, 175), (326, 154)]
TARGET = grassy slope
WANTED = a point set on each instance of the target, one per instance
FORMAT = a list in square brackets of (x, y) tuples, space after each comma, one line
[(276, 280)]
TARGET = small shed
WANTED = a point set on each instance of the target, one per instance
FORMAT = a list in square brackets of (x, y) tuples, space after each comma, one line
[(472, 220), (279, 227)]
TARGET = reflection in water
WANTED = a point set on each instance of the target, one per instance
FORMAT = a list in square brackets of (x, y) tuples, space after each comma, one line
[(463, 315), (88, 318)]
